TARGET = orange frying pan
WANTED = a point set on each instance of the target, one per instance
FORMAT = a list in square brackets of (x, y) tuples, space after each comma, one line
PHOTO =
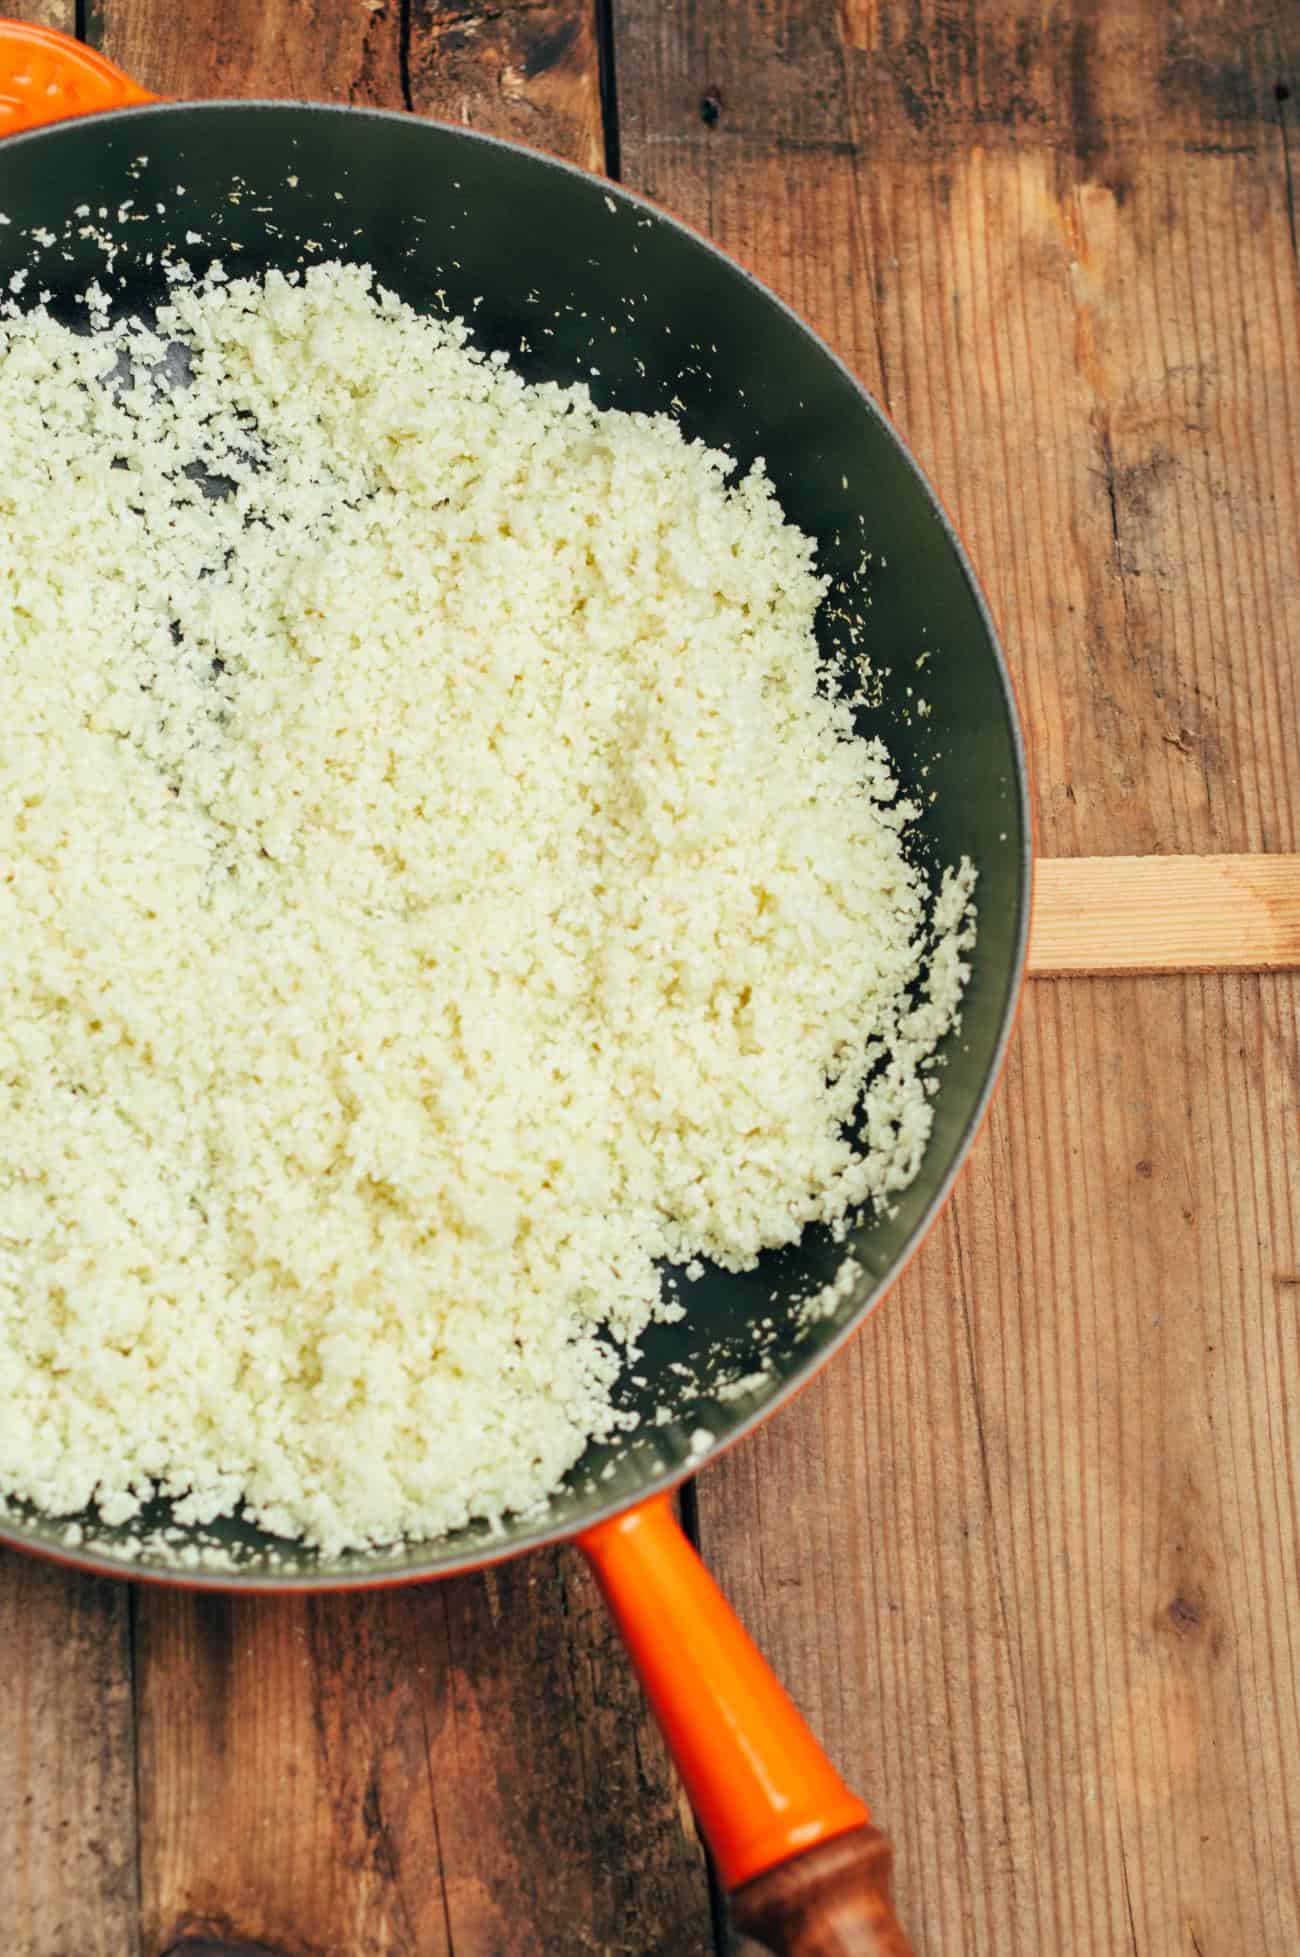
[(806, 1870)]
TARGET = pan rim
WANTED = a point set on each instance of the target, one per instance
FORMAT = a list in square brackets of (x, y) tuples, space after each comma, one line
[(485, 1555)]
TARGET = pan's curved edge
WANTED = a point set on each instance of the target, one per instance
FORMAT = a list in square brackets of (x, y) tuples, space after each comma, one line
[(483, 1556)]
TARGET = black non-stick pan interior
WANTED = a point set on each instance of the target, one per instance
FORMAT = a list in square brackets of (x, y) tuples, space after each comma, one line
[(578, 281)]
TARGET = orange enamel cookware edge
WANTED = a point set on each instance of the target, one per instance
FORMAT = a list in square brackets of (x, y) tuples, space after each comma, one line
[(807, 1871), (46, 77)]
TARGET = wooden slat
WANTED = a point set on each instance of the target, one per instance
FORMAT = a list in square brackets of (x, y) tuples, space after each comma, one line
[(67, 1779), (455, 1768), (468, 1766), (309, 50), (528, 69), (1102, 914), (1027, 1553), (45, 13)]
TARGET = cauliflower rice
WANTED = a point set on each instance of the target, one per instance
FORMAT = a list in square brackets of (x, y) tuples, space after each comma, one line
[(437, 887)]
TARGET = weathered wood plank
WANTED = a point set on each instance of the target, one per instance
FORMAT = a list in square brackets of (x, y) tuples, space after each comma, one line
[(1107, 914), (67, 1777), (468, 1765), (1025, 1554), (307, 50), (527, 69), (456, 1767), (45, 13)]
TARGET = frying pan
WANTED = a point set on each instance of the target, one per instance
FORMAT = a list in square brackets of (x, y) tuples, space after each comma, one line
[(579, 280)]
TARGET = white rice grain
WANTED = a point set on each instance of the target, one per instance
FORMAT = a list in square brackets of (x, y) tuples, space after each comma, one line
[(434, 888)]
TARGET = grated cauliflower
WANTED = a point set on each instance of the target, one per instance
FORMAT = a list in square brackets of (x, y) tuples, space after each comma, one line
[(435, 888)]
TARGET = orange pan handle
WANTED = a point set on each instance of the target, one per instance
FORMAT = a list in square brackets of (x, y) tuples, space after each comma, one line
[(46, 76), (807, 1873)]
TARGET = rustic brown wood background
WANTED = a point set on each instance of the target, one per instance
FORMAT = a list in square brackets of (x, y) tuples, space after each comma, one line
[(1027, 1554)]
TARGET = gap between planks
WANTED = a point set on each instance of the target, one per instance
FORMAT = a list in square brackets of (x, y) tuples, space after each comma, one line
[(1105, 915)]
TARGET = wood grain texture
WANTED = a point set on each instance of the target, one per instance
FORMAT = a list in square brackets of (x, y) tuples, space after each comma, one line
[(527, 69), (1027, 1553), (305, 50), (1095, 915), (457, 1767), (67, 1782), (61, 14)]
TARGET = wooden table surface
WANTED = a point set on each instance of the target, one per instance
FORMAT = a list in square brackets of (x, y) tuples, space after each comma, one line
[(1027, 1552)]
